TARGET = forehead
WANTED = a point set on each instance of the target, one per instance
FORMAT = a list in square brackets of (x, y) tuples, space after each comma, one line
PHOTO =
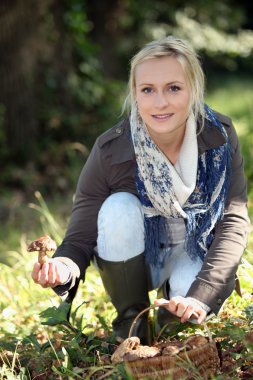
[(163, 69)]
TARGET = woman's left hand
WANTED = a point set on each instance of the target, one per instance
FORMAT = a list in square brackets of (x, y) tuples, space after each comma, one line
[(183, 308)]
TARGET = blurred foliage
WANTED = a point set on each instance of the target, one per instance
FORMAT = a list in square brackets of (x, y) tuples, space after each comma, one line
[(240, 109), (74, 102), (65, 66)]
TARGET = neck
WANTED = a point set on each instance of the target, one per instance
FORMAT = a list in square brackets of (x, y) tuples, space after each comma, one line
[(170, 144)]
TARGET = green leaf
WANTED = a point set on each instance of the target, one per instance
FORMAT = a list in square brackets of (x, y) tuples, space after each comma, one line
[(74, 314), (32, 339), (102, 321), (234, 332), (249, 312), (56, 315)]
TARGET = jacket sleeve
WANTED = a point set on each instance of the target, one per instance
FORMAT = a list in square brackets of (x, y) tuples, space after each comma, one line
[(216, 280), (77, 247)]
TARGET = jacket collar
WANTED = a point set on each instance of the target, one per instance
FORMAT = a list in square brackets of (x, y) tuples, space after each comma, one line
[(210, 137)]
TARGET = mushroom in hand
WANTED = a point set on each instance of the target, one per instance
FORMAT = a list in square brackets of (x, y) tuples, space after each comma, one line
[(42, 245)]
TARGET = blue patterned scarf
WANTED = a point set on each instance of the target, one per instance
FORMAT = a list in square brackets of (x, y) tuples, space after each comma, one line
[(204, 207)]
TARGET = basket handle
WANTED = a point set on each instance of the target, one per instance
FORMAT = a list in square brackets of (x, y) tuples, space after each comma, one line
[(164, 304)]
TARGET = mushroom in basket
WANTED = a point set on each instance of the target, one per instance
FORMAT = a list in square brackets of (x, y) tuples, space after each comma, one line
[(131, 349)]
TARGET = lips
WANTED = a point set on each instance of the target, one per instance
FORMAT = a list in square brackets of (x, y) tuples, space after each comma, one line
[(162, 116)]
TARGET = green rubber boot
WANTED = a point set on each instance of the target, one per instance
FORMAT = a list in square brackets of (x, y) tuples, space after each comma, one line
[(126, 284)]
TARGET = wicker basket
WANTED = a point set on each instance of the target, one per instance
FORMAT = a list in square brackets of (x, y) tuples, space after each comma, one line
[(201, 362)]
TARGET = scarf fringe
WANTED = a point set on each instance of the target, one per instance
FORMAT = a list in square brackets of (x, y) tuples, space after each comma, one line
[(157, 236)]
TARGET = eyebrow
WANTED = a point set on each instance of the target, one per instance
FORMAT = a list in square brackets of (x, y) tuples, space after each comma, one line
[(169, 83)]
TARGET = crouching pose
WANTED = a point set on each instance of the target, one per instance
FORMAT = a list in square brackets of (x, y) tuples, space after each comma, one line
[(161, 200)]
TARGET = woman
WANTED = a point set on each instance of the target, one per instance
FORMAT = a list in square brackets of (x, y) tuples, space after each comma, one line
[(161, 200)]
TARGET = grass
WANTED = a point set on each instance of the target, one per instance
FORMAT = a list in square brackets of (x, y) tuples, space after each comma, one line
[(36, 340), (35, 333)]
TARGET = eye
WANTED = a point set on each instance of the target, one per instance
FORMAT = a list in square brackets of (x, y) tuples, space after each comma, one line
[(147, 90), (174, 88)]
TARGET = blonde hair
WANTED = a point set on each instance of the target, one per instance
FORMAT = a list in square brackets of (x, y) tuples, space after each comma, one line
[(181, 50)]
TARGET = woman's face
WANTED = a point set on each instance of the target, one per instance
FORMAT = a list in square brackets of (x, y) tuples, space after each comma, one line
[(163, 96)]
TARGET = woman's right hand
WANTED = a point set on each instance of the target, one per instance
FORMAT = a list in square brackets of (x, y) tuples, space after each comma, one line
[(52, 273)]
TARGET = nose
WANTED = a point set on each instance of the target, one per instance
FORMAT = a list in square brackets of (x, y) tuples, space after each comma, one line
[(161, 100)]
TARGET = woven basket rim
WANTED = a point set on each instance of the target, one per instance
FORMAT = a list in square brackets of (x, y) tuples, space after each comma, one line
[(166, 364), (182, 355)]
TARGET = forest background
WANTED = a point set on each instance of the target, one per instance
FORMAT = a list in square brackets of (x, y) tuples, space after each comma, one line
[(64, 66), (63, 76)]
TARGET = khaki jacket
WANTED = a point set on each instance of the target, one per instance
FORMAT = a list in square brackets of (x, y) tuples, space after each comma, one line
[(110, 168)]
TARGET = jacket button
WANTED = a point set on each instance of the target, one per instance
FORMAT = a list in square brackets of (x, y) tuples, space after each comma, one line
[(219, 301), (118, 130)]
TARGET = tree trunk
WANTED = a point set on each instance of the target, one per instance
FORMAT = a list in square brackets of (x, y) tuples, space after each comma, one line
[(19, 20), (106, 32)]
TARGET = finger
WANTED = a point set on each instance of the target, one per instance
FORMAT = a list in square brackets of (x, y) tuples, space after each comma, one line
[(51, 274), (44, 275), (202, 316), (161, 302), (189, 311), (36, 272), (174, 301), (181, 309), (58, 280), (198, 314)]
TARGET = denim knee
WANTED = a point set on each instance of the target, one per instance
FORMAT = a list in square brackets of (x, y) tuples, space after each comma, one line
[(120, 227)]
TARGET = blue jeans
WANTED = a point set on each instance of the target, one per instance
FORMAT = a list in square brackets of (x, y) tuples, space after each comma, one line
[(121, 237)]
